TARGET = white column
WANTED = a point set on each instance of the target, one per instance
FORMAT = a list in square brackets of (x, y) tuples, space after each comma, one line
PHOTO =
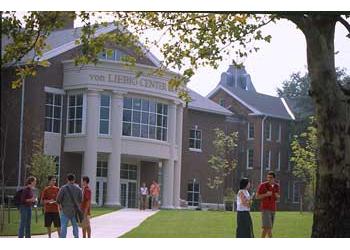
[(177, 167), (90, 154), (168, 168), (113, 178)]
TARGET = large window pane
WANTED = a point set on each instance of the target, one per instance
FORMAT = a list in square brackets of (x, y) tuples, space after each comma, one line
[(165, 109), (71, 126), (58, 100), (48, 125), (164, 134), (57, 112), (159, 133), (56, 126), (72, 100), (79, 100), (152, 106), (78, 125), (48, 111), (79, 113), (152, 118), (136, 104), (144, 131), (71, 114), (49, 98), (165, 121), (127, 103), (104, 113), (104, 127), (145, 105), (152, 132), (135, 130), (105, 100), (127, 115), (159, 108), (126, 128), (159, 120), (144, 118), (136, 116)]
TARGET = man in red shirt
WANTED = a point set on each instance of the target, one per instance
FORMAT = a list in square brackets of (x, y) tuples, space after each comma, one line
[(268, 192), (85, 207), (48, 198)]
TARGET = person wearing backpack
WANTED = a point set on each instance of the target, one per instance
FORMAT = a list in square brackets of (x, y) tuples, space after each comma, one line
[(25, 208), (69, 199)]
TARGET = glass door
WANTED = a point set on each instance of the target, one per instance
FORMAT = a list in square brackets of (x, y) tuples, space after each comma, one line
[(128, 194), (101, 191)]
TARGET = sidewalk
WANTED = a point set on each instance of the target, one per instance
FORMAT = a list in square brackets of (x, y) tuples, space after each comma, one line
[(111, 225)]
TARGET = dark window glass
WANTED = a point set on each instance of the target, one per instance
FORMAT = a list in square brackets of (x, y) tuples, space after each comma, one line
[(152, 132), (135, 130), (192, 143), (48, 125), (190, 187), (165, 109), (198, 135), (58, 100), (192, 133), (152, 119), (105, 100), (165, 121), (49, 98), (57, 113), (104, 127), (104, 172), (144, 118), (136, 104), (159, 120), (104, 113), (71, 114), (198, 144), (72, 100), (144, 131), (127, 102), (164, 134), (136, 116), (79, 113), (152, 106), (78, 125), (159, 133), (127, 115), (79, 100), (126, 128), (159, 108), (48, 111), (56, 125), (145, 105), (196, 187), (71, 126)]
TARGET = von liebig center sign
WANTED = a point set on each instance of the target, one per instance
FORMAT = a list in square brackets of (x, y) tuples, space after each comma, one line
[(131, 80)]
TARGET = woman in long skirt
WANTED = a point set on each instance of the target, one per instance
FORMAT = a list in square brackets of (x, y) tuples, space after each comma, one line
[(244, 221)]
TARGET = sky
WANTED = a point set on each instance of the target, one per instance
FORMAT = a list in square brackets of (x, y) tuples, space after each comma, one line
[(275, 61)]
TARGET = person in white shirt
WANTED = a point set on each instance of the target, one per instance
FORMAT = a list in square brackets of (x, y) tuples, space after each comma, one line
[(244, 221), (143, 196)]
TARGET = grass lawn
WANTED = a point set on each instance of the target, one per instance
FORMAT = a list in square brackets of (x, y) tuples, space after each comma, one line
[(213, 224), (38, 227)]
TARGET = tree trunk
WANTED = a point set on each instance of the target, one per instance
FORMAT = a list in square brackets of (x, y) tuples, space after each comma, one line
[(332, 200)]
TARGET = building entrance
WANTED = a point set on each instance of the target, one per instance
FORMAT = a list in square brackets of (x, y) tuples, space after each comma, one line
[(128, 193), (101, 191)]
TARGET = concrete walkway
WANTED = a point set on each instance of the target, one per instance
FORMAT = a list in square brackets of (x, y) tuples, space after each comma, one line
[(111, 225)]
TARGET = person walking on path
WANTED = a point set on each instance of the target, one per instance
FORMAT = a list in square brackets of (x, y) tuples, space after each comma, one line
[(244, 221), (67, 196), (143, 196), (85, 207), (155, 191), (25, 208), (51, 210), (268, 193)]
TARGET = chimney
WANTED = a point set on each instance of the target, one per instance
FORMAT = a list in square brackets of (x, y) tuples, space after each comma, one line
[(66, 19)]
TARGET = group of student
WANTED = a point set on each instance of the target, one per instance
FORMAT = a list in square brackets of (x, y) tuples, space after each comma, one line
[(154, 191), (268, 192), (61, 205)]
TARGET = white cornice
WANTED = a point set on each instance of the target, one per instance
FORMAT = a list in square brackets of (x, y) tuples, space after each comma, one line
[(287, 108)]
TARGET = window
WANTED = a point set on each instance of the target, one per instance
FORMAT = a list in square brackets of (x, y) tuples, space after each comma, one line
[(278, 166), (145, 118), (128, 171), (267, 159), (105, 103), (296, 192), (267, 131), (53, 113), (111, 55), (279, 135), (102, 166), (193, 193), (250, 130), (250, 158), (75, 114), (222, 102), (195, 139)]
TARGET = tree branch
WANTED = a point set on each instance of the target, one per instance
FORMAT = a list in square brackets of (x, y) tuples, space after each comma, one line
[(345, 23)]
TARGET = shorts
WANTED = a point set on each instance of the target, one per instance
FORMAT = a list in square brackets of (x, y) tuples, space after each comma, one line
[(86, 221), (52, 218), (155, 198), (268, 218)]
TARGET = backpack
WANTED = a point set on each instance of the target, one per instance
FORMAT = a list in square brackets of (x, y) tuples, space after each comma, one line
[(17, 200)]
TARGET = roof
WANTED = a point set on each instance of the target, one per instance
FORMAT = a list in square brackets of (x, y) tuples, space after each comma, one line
[(61, 41), (237, 83), (201, 103)]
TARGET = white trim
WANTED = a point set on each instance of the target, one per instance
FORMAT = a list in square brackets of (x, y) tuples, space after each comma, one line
[(290, 113), (270, 135), (248, 137), (279, 133), (269, 164), (278, 168), (255, 111), (55, 91), (195, 150), (83, 115), (228, 113), (247, 165)]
